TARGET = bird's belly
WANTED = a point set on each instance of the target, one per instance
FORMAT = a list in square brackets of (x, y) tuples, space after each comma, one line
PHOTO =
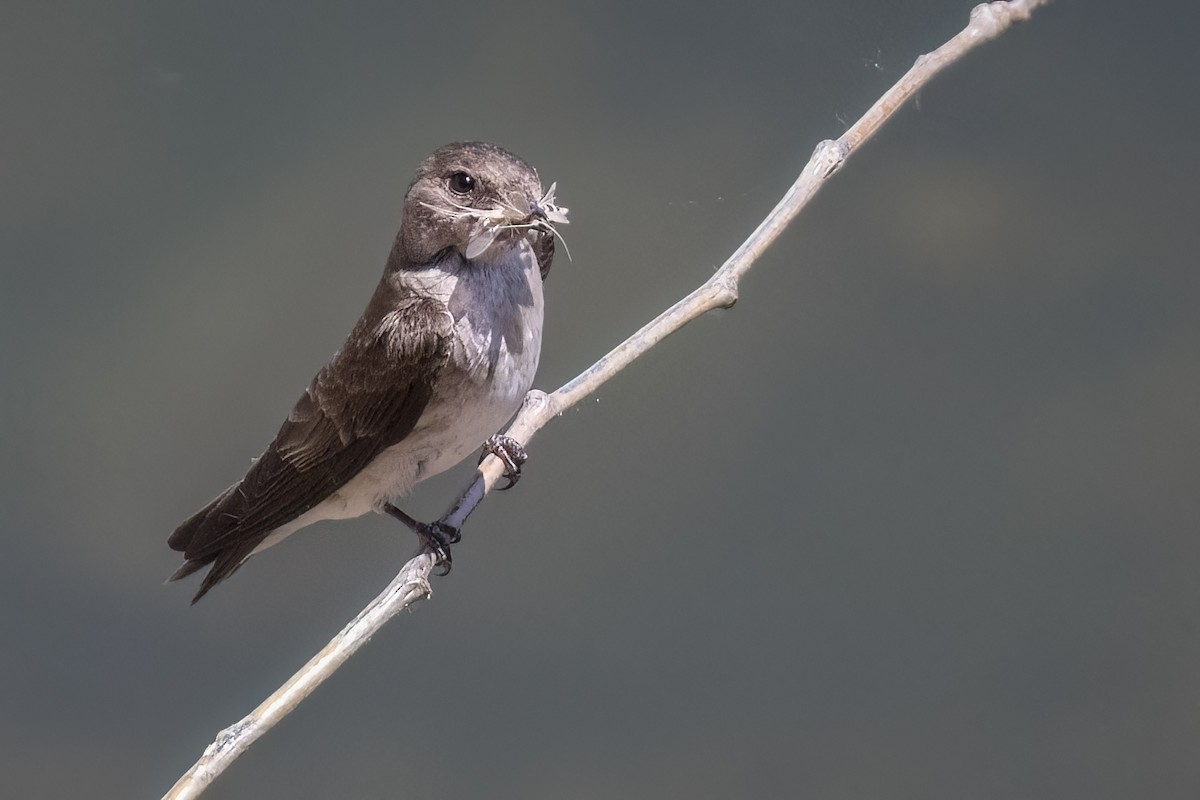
[(455, 424)]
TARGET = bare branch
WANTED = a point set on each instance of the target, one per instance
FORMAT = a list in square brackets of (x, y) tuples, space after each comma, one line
[(988, 21)]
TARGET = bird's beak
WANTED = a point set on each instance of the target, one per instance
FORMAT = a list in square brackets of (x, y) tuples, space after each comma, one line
[(546, 210)]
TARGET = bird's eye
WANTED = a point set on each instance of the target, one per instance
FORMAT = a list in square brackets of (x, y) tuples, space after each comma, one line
[(461, 183)]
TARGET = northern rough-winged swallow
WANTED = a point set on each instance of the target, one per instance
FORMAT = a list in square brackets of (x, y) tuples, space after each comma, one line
[(441, 358)]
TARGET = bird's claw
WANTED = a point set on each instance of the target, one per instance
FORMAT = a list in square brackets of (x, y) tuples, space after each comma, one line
[(435, 536), (510, 452)]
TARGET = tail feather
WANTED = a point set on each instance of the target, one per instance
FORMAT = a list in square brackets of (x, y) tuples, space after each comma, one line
[(185, 534), (191, 538), (186, 569)]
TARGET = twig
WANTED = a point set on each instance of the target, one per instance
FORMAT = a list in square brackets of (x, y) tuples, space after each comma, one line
[(988, 21)]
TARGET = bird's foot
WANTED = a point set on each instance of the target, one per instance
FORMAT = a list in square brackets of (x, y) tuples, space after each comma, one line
[(510, 452), (437, 536)]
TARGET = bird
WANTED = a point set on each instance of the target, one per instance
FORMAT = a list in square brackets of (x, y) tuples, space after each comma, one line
[(440, 359)]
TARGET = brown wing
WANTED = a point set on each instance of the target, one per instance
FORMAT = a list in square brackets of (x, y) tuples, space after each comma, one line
[(543, 249), (368, 398)]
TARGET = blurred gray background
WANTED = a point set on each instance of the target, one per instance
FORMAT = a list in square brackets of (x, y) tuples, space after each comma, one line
[(917, 519)]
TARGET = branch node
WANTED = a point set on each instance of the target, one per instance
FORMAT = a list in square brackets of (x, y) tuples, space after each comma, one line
[(828, 156), (985, 21), (988, 20), (419, 586), (535, 402), (725, 291), (227, 737)]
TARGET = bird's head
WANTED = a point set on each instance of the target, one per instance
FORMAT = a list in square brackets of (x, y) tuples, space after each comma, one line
[(470, 197)]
